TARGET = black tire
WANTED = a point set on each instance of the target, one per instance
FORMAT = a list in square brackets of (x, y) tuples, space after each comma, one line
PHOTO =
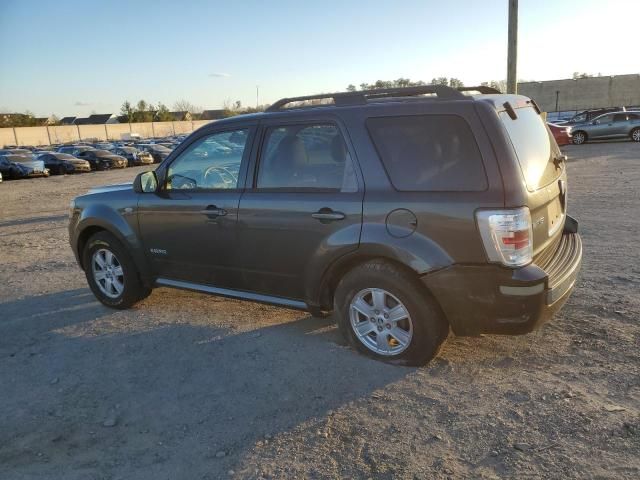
[(62, 170), (134, 290), (579, 137), (430, 328), (635, 135)]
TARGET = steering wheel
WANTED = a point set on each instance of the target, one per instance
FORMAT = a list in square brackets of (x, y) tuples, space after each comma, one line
[(221, 181)]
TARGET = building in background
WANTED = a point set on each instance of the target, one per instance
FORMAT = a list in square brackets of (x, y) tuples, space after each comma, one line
[(584, 93), (181, 116), (212, 115), (97, 119)]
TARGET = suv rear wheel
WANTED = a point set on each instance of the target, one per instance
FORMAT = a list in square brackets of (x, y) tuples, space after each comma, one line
[(635, 134), (579, 138), (111, 273), (384, 313)]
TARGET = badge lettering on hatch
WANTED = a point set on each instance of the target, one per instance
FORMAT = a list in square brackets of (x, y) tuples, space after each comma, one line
[(158, 251), (538, 222)]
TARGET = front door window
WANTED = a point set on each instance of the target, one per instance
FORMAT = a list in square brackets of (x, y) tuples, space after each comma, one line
[(212, 163)]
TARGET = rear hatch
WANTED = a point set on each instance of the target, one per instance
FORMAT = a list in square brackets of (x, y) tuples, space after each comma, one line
[(544, 174)]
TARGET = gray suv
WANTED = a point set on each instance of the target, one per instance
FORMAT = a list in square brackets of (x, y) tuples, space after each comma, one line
[(405, 212), (609, 126)]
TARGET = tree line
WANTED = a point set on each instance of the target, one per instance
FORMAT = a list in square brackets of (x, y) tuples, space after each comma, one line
[(144, 111), (405, 82)]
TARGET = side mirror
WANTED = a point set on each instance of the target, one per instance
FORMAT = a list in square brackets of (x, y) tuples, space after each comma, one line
[(146, 182)]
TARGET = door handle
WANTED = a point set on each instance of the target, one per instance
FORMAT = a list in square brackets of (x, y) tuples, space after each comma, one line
[(212, 211), (326, 215)]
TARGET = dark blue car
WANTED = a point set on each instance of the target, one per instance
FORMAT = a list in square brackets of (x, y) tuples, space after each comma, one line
[(21, 166)]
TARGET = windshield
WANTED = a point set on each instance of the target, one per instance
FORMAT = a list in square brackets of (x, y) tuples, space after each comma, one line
[(534, 146), (582, 117)]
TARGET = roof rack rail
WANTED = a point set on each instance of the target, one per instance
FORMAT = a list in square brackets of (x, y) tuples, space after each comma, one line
[(484, 89), (341, 99)]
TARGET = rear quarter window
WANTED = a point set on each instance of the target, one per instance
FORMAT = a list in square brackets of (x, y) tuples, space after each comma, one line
[(428, 153), (534, 147)]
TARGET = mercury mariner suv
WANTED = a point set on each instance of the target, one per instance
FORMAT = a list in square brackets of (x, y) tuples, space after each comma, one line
[(405, 212)]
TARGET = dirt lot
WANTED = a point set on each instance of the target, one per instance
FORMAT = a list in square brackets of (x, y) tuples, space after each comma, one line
[(196, 387)]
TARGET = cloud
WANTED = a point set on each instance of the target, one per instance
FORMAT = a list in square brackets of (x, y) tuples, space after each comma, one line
[(219, 74), (81, 104)]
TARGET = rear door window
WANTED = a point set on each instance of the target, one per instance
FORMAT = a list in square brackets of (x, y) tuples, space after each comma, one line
[(604, 119), (620, 117), (534, 146), (306, 157), (428, 153)]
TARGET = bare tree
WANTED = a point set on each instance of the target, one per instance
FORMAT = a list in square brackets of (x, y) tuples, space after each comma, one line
[(497, 84), (186, 106)]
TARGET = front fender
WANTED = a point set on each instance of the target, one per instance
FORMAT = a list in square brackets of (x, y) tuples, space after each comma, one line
[(120, 222)]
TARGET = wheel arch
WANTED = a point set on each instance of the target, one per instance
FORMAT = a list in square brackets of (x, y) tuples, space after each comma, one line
[(83, 238), (336, 271), (109, 221)]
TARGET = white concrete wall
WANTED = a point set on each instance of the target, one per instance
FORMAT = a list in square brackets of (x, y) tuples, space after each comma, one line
[(584, 93), (163, 129), (63, 134), (32, 135), (90, 132), (7, 137), (116, 130), (73, 133)]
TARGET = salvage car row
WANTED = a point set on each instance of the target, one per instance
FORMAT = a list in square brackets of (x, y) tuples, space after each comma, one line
[(29, 162), (614, 123)]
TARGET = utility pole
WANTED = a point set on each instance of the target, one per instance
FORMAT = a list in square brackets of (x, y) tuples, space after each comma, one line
[(557, 98), (257, 95), (512, 53)]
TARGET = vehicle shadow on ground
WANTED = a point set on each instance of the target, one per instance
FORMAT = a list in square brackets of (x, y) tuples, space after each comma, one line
[(28, 221), (72, 368), (89, 391)]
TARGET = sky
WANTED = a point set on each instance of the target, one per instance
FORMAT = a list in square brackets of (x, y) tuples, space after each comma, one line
[(75, 57)]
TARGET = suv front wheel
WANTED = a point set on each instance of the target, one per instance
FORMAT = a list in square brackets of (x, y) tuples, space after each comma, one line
[(111, 273), (383, 312)]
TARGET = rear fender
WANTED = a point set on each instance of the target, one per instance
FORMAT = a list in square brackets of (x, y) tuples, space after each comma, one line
[(416, 252)]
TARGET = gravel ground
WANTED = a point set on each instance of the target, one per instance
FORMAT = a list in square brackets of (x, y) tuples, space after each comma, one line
[(197, 387)]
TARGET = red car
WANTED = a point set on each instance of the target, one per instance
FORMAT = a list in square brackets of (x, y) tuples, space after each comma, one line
[(561, 133)]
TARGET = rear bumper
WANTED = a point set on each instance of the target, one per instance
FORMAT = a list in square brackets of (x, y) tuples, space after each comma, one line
[(494, 299), (564, 140)]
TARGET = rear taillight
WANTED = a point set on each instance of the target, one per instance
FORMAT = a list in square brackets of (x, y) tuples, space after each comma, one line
[(507, 235)]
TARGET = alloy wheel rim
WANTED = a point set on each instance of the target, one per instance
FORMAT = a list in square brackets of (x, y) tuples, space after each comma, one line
[(579, 138), (107, 273), (636, 135), (380, 321)]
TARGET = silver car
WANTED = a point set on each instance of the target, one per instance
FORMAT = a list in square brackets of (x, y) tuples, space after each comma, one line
[(609, 126)]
